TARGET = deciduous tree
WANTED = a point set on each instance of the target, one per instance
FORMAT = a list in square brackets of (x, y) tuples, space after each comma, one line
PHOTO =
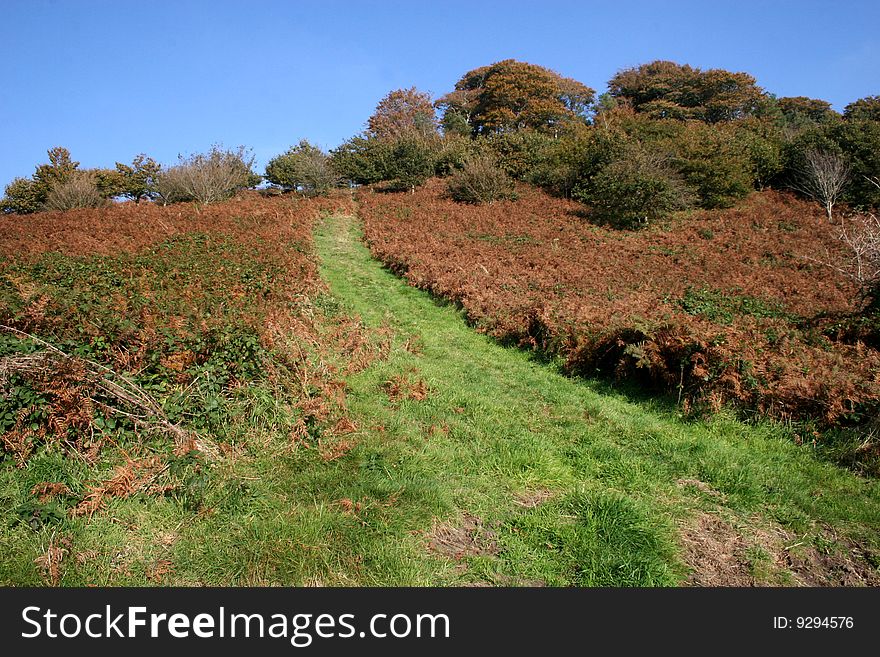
[(511, 95), (400, 112), (303, 167), (24, 196), (798, 111), (138, 180), (823, 177), (665, 89)]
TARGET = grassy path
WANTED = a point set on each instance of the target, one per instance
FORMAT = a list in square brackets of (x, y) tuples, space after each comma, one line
[(506, 472)]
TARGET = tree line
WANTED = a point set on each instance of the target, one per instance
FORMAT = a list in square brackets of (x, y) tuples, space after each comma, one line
[(663, 137)]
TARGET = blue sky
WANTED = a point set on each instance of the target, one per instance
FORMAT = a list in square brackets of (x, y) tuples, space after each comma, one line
[(110, 79)]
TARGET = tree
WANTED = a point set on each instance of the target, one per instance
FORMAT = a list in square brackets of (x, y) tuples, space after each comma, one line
[(798, 111), (764, 141), (360, 159), (859, 140), (28, 195), (665, 89), (400, 112), (863, 109), (303, 167), (823, 177), (138, 180), (605, 105), (59, 169), (411, 161), (22, 196), (511, 95)]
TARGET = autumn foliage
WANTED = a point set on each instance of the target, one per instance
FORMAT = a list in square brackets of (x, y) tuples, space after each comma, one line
[(511, 95), (664, 89)]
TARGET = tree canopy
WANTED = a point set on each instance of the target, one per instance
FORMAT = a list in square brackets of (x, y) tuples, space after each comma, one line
[(664, 89), (400, 112), (510, 95), (863, 109), (800, 110)]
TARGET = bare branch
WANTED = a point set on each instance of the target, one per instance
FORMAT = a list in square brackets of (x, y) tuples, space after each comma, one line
[(107, 380), (823, 177)]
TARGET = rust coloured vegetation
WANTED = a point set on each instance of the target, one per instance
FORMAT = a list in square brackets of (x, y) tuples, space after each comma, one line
[(716, 307)]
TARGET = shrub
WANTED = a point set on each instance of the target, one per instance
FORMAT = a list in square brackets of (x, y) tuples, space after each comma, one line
[(360, 160), (79, 190), (171, 187), (303, 167), (572, 160), (715, 163), (481, 180), (634, 190), (207, 177), (455, 150), (410, 162)]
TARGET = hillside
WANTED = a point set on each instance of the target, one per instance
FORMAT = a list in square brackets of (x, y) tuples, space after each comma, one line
[(238, 394)]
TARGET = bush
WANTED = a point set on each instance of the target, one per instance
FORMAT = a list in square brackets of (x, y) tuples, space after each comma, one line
[(715, 163), (303, 167), (573, 159), (520, 152), (171, 187), (455, 150), (79, 190), (360, 160), (635, 190), (481, 180), (207, 177), (411, 161)]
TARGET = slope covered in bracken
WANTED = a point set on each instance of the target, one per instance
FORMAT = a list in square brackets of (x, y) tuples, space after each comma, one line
[(715, 306), (134, 324)]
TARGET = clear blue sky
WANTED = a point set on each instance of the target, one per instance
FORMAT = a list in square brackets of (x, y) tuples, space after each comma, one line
[(112, 78)]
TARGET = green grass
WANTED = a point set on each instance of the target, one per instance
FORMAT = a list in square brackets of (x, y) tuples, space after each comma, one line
[(570, 482)]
